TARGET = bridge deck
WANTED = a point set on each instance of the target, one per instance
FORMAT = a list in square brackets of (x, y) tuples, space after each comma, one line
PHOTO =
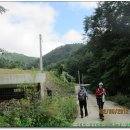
[(22, 78)]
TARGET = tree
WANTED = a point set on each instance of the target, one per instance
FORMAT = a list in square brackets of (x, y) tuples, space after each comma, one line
[(2, 9), (110, 44), (106, 56)]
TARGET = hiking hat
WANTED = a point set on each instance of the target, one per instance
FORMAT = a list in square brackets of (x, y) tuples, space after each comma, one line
[(100, 84)]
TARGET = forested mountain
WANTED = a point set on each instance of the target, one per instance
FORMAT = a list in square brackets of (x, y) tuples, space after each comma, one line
[(56, 56), (106, 57), (59, 55), (15, 60), (17, 57)]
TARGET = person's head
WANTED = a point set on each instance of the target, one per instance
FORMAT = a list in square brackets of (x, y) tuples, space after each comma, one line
[(100, 85), (81, 87)]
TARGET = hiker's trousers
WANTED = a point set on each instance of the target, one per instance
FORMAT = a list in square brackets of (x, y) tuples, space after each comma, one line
[(83, 104), (100, 105)]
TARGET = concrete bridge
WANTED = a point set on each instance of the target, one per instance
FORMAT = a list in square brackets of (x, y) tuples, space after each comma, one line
[(10, 79)]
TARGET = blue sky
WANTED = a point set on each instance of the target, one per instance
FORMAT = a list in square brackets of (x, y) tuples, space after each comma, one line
[(59, 23), (69, 17)]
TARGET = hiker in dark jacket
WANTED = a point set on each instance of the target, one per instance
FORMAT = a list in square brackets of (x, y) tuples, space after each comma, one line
[(82, 95)]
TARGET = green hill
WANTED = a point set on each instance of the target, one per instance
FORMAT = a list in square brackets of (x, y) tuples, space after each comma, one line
[(18, 57), (15, 60), (60, 54)]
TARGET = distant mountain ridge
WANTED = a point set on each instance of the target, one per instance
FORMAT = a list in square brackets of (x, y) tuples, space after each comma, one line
[(52, 58), (60, 54), (15, 60), (18, 57)]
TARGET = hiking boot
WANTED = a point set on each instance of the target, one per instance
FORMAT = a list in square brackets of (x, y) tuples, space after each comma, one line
[(102, 118), (86, 114)]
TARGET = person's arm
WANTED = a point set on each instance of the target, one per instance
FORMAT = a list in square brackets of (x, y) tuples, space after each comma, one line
[(86, 93), (99, 92), (104, 91)]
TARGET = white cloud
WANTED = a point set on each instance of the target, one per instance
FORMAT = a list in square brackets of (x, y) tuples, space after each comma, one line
[(72, 36), (86, 5), (21, 24)]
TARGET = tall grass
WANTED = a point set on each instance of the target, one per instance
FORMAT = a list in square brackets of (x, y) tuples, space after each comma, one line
[(48, 113), (69, 88)]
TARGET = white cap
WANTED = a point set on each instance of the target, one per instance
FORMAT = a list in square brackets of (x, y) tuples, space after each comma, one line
[(100, 84)]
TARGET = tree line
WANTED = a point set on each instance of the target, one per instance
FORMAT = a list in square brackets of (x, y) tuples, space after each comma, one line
[(106, 56)]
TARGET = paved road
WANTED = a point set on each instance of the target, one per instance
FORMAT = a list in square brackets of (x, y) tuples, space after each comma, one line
[(92, 120)]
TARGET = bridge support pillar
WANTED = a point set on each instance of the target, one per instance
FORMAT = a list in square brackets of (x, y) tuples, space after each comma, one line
[(42, 90)]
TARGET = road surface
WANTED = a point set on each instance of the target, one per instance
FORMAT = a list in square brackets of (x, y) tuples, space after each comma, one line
[(92, 120)]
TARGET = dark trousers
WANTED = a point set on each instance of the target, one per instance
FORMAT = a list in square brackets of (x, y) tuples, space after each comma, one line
[(100, 105), (83, 104)]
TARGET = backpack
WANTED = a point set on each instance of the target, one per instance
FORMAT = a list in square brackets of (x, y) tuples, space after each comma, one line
[(81, 95)]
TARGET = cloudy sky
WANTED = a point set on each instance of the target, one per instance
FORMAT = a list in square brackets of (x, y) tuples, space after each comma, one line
[(59, 23)]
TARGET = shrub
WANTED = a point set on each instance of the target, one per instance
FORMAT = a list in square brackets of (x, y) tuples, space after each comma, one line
[(121, 99), (60, 110)]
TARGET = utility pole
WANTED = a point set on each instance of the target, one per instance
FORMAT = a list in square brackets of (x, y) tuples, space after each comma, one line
[(79, 77), (41, 63)]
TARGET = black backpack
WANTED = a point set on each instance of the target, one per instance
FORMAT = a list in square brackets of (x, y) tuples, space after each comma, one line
[(81, 95)]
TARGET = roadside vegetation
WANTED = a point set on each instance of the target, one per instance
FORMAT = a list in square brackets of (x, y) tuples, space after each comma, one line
[(123, 100), (60, 110), (104, 58), (106, 55)]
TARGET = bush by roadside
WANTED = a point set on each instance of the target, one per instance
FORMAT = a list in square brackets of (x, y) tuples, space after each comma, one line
[(123, 100), (60, 110)]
